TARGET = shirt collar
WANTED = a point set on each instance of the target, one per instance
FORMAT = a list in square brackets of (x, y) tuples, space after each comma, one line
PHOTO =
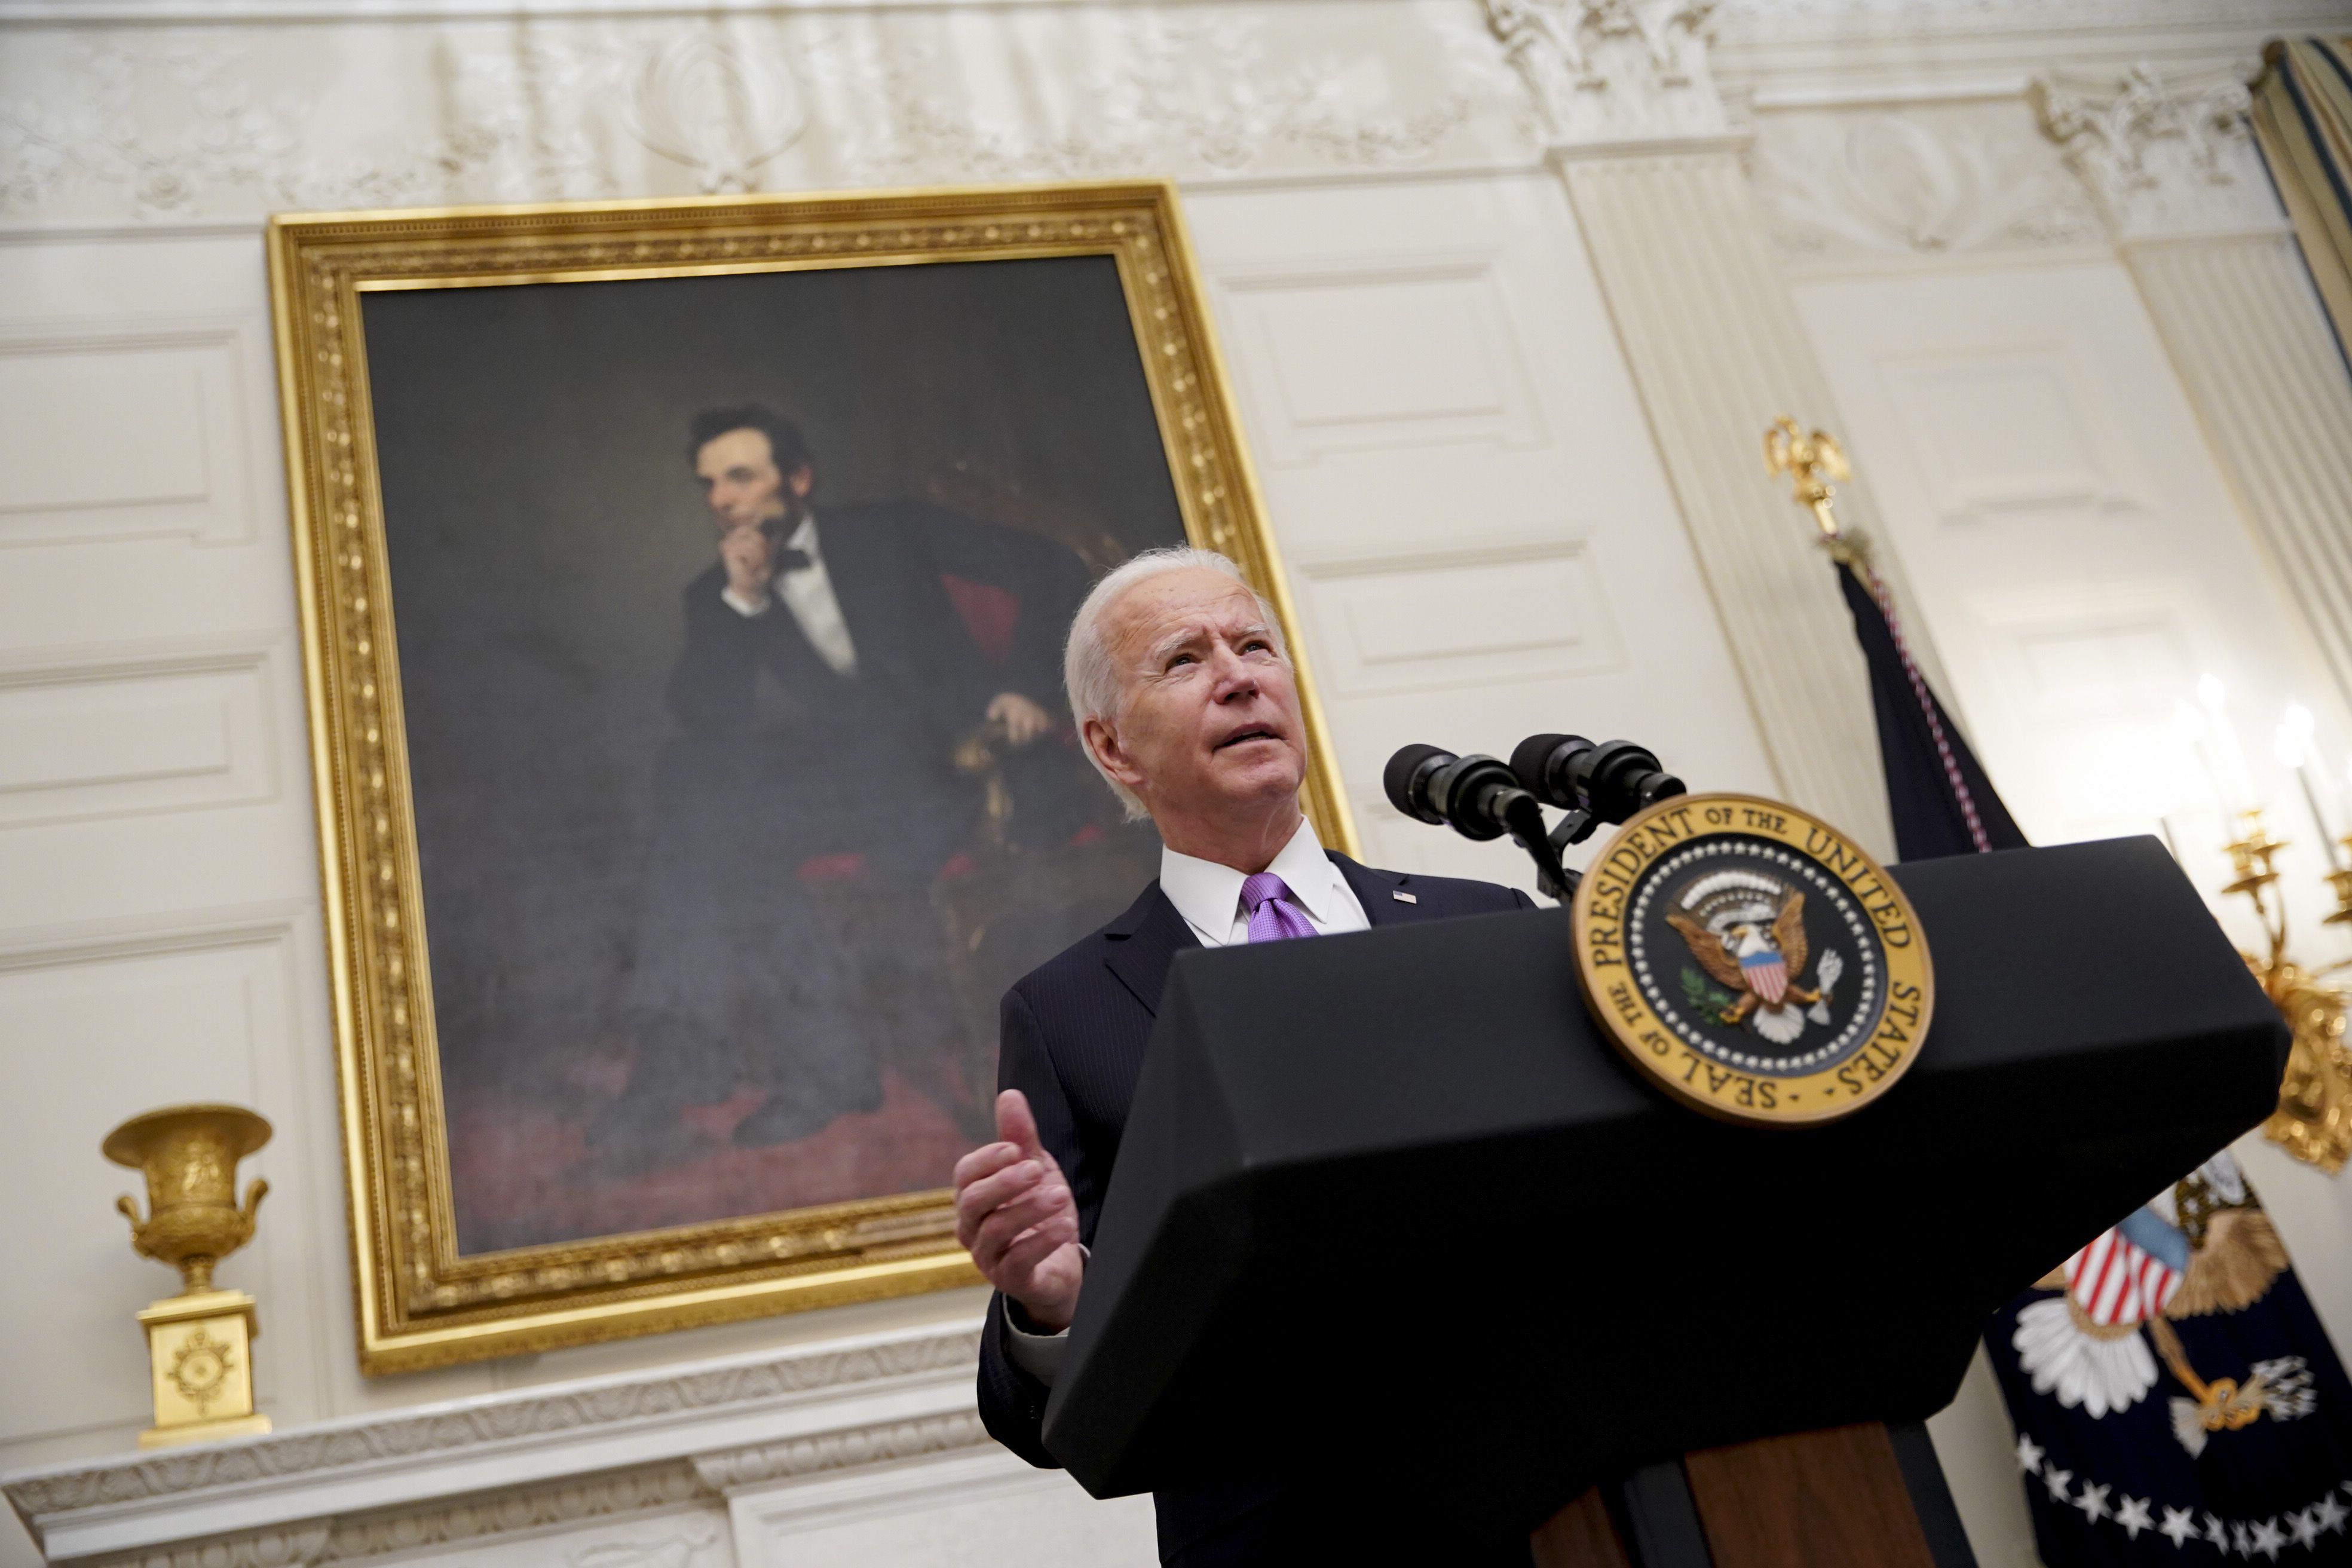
[(803, 537), (1208, 896)]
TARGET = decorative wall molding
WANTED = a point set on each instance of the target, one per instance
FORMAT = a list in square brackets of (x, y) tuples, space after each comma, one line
[(2164, 152), (744, 1469), (1933, 181), (198, 124), (494, 1421), (290, 1546), (585, 1450), (1613, 70), (481, 1518), (684, 1543)]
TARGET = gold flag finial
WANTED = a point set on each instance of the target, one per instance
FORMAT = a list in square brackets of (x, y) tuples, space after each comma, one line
[(1811, 460)]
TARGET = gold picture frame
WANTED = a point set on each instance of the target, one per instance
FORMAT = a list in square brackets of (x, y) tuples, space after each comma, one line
[(421, 1302)]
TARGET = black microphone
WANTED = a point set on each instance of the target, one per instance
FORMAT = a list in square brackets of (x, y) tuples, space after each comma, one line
[(1612, 781), (1478, 796)]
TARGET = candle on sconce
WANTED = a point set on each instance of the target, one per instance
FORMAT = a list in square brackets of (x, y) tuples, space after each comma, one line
[(2190, 729), (2295, 751), (2224, 758)]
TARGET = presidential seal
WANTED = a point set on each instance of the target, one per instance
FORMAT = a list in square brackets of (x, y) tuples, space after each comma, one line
[(1751, 961)]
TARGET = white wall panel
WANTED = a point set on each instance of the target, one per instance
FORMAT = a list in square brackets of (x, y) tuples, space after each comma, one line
[(135, 736), (133, 431), (1379, 353), (1469, 617), (2008, 427)]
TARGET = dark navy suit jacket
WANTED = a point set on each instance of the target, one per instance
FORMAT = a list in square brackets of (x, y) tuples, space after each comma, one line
[(1074, 1032)]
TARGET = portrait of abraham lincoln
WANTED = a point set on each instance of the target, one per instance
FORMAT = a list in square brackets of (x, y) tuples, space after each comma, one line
[(729, 616)]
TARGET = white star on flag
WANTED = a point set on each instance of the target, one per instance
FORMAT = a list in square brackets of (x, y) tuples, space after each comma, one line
[(2177, 1526), (2094, 1502), (2055, 1479), (2328, 1512), (2306, 1527), (2267, 1540), (2133, 1515), (2029, 1454), (2215, 1536)]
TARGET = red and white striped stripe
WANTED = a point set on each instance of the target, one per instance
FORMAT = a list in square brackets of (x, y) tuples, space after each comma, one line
[(2114, 1281)]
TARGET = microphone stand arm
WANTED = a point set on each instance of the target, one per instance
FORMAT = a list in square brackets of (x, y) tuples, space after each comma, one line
[(1524, 815)]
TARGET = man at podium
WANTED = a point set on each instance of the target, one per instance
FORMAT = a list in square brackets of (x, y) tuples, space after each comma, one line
[(1187, 704)]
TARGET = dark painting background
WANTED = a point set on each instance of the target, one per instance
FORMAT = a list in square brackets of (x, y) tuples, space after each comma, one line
[(542, 520)]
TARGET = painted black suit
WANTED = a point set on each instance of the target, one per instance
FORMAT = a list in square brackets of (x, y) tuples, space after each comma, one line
[(1073, 1041), (746, 971)]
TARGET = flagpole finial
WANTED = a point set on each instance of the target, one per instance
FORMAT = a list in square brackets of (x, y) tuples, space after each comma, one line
[(1811, 460)]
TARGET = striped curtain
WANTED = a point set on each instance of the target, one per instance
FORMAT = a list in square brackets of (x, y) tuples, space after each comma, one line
[(2302, 119)]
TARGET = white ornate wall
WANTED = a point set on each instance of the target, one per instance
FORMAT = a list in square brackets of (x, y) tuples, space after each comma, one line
[(1605, 240)]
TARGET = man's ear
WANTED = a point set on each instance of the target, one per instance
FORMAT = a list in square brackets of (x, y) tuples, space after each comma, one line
[(1102, 742), (802, 480)]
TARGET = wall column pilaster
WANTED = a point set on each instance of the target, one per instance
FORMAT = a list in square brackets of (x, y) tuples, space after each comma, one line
[(2169, 160), (1654, 171)]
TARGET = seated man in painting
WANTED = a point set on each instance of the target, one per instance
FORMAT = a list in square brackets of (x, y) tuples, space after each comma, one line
[(835, 657), (1186, 703)]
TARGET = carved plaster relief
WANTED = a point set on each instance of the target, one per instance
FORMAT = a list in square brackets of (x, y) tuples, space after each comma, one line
[(1612, 70), (237, 120), (1930, 180), (2164, 153), (1746, 19)]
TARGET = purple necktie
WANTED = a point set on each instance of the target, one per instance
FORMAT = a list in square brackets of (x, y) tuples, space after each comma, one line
[(1272, 916)]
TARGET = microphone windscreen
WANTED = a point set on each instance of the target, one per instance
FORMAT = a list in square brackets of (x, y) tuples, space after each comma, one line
[(1398, 779), (1528, 761)]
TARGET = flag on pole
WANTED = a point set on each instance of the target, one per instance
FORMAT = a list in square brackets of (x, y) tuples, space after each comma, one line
[(1941, 801), (2174, 1397)]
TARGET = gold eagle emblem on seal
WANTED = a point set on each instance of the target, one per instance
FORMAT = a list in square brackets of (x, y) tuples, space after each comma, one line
[(1752, 961)]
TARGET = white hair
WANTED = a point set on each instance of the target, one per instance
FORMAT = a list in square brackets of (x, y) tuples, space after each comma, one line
[(1092, 681)]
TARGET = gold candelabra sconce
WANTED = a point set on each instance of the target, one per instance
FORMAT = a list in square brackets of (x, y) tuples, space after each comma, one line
[(200, 1341), (2314, 1119)]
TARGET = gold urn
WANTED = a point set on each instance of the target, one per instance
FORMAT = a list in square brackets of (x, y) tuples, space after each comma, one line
[(199, 1342)]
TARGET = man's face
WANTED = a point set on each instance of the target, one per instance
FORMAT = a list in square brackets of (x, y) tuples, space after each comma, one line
[(1208, 716), (737, 471)]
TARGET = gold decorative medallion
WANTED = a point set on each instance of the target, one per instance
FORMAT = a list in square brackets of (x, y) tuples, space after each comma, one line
[(1752, 961)]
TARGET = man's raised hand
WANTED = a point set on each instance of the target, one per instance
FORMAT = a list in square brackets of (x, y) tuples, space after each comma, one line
[(1017, 1216), (749, 557)]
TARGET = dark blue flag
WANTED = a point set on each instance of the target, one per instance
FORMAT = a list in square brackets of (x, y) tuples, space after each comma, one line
[(2176, 1400)]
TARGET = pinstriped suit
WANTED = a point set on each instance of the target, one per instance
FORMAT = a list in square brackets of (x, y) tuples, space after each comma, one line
[(1073, 1033)]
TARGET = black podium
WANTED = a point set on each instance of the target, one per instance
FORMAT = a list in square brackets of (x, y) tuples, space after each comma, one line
[(1388, 1203)]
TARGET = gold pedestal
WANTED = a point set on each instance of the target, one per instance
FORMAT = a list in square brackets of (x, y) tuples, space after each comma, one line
[(199, 1342), (199, 1348)]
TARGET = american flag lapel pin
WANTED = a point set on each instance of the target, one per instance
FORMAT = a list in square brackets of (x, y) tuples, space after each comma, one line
[(1403, 898)]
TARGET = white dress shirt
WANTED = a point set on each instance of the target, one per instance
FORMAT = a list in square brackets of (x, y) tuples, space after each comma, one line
[(1209, 897), (807, 593)]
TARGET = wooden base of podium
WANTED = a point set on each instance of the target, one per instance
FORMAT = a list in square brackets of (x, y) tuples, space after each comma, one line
[(1834, 1499)]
